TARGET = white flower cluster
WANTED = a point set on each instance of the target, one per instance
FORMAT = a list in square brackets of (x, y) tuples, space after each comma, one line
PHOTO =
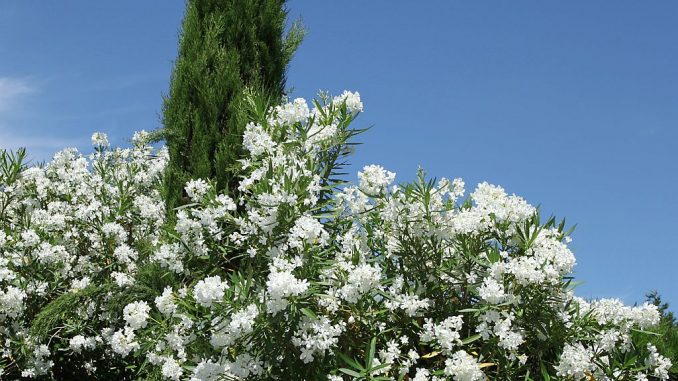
[(196, 189), (11, 303), (374, 179), (463, 367), (293, 112), (446, 333), (325, 279), (241, 323), (78, 342), (613, 311), (352, 101), (209, 290), (165, 302), (280, 286), (493, 323), (492, 291), (68, 227), (136, 314), (307, 230), (124, 341), (257, 141), (361, 280), (575, 362), (658, 363), (314, 337), (99, 139)]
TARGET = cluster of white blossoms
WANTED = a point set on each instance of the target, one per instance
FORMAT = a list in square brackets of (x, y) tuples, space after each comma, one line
[(136, 314), (315, 337), (99, 139), (294, 275), (446, 333), (123, 341), (197, 189), (209, 290), (280, 286), (463, 367), (241, 323), (65, 226), (576, 362), (78, 342), (374, 179)]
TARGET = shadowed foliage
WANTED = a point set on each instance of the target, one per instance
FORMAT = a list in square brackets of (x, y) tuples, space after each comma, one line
[(226, 47), (666, 338)]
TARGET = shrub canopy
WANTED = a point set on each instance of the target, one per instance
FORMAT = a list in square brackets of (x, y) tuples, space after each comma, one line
[(373, 281)]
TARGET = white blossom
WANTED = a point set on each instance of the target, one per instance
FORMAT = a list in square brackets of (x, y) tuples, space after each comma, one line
[(136, 314), (165, 302), (462, 367), (196, 189), (209, 290), (315, 336), (575, 362), (99, 139), (374, 179), (123, 342)]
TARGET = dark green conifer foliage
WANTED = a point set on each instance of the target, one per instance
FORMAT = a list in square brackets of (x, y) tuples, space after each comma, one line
[(226, 47)]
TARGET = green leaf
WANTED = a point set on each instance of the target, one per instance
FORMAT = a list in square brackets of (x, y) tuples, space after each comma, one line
[(544, 372), (494, 255), (370, 352), (646, 332), (350, 372), (351, 362), (309, 313), (470, 339)]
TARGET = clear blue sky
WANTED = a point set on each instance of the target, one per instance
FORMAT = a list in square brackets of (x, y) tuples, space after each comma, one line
[(571, 104)]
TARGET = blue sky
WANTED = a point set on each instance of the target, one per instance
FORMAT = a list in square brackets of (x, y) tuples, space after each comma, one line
[(572, 105)]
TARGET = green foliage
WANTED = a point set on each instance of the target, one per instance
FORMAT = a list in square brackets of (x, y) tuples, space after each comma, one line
[(11, 165), (226, 47), (149, 283), (62, 311), (63, 317), (666, 339)]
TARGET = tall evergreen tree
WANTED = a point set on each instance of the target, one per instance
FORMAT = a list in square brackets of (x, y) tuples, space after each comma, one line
[(226, 47)]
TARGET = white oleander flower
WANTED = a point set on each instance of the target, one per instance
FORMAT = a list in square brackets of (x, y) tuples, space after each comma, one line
[(445, 333), (99, 139), (293, 112), (197, 189), (136, 314), (575, 362), (307, 230), (123, 342), (352, 100), (280, 286), (165, 302), (78, 343), (209, 290), (256, 140), (492, 291), (374, 179), (463, 367)]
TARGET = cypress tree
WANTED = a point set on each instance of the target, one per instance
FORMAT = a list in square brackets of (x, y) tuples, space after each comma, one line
[(226, 47)]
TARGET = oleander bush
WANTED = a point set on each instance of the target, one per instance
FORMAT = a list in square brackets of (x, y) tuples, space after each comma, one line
[(665, 336), (299, 276)]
